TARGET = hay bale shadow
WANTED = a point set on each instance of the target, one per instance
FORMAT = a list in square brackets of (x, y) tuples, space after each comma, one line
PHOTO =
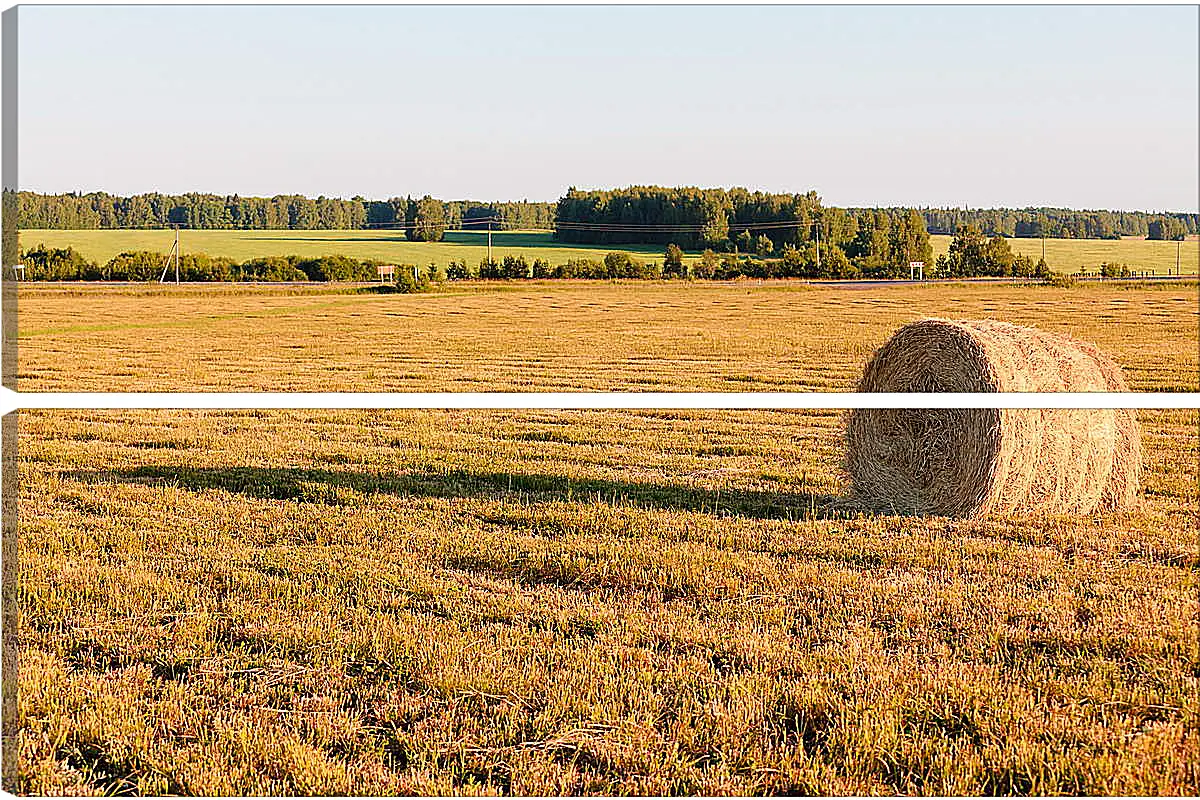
[(334, 487)]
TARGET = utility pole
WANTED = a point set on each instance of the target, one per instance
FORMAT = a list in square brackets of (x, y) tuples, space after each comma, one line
[(489, 240), (172, 256), (1178, 244), (818, 245)]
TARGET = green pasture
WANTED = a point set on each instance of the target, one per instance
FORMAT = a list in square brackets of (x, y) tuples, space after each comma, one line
[(1063, 255), (1074, 255), (384, 245)]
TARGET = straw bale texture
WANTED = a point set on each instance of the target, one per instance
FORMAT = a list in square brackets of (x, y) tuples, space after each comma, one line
[(976, 462)]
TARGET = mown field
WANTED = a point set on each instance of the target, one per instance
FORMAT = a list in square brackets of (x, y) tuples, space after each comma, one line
[(463, 602), (555, 336), (1063, 255)]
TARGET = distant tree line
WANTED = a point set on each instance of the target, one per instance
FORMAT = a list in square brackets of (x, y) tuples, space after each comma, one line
[(1169, 228), (101, 210), (466, 214), (1061, 223), (281, 212), (508, 216), (725, 220)]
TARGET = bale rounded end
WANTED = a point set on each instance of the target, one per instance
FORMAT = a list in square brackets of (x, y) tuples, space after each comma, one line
[(923, 461)]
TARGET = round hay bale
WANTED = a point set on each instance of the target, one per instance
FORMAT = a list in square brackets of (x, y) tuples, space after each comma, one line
[(1125, 481), (975, 462)]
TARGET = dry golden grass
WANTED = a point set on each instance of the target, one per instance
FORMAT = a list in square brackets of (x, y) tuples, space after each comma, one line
[(579, 602), (554, 336)]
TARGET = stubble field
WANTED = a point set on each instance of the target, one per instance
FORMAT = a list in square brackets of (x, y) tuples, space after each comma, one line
[(571, 602), (548, 336)]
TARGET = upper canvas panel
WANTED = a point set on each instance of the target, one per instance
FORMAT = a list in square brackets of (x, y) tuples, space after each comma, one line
[(511, 206), (771, 336)]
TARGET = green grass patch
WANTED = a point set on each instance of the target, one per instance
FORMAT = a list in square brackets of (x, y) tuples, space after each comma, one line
[(1075, 255), (388, 246)]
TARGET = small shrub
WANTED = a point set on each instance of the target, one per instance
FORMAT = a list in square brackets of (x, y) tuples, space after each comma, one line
[(1061, 280), (708, 265), (135, 265), (514, 267), (489, 270), (199, 267), (584, 268), (271, 268), (1108, 270), (57, 264), (673, 262), (620, 264), (407, 283), (337, 268)]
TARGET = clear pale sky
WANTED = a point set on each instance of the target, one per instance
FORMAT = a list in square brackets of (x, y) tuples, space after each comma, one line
[(1087, 107)]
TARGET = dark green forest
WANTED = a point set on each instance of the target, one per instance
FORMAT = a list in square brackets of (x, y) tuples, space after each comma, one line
[(1061, 223), (281, 212), (691, 217), (696, 218), (804, 237), (101, 210)]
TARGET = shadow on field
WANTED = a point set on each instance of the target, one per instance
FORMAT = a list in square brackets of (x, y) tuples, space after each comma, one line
[(346, 488)]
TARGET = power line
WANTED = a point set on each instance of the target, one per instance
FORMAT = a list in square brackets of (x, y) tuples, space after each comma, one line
[(619, 227), (633, 226), (479, 226)]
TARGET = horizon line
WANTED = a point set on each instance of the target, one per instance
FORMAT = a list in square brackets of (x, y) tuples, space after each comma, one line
[(820, 199)]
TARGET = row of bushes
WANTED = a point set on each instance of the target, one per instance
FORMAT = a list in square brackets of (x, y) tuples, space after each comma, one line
[(65, 264), (614, 265), (964, 260), (795, 263), (710, 266)]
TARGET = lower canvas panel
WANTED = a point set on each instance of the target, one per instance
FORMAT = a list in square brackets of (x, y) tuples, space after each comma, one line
[(646, 602)]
